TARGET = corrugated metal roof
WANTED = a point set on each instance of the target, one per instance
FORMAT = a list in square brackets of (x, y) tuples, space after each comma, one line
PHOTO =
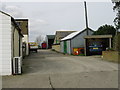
[(50, 36), (61, 34), (72, 35)]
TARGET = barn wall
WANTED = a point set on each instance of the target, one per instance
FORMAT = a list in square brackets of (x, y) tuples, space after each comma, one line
[(68, 47), (79, 41), (5, 46), (62, 47)]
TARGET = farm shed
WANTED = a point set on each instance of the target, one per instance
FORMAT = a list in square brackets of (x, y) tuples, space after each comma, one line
[(50, 41), (101, 41), (74, 40), (11, 43), (58, 36), (61, 34)]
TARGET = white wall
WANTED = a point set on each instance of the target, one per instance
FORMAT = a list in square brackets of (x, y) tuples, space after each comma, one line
[(5, 40), (0, 44), (26, 39)]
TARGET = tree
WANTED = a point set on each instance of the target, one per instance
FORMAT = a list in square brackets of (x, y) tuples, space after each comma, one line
[(117, 19), (105, 30), (39, 39)]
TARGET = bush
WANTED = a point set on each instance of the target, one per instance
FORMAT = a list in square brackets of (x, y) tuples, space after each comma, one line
[(116, 42)]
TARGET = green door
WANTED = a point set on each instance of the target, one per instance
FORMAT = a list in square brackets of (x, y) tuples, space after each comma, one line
[(65, 47)]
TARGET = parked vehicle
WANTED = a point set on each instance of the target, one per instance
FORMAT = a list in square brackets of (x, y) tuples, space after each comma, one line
[(44, 45), (95, 48), (33, 46)]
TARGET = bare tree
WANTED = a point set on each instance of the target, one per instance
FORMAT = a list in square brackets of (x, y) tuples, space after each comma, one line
[(39, 39)]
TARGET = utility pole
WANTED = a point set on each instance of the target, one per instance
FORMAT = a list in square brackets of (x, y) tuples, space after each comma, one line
[(86, 18)]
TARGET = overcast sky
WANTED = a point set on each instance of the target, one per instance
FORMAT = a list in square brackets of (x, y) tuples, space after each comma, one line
[(47, 17)]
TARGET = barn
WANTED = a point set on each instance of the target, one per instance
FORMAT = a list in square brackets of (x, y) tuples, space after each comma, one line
[(58, 36), (74, 40), (50, 41)]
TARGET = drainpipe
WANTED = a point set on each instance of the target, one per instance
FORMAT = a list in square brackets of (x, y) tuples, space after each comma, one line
[(19, 44), (13, 42), (70, 47), (85, 48), (13, 49)]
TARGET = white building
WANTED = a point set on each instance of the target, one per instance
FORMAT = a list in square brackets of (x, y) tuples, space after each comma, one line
[(11, 43)]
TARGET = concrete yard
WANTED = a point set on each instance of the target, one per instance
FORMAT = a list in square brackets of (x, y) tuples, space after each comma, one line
[(48, 69)]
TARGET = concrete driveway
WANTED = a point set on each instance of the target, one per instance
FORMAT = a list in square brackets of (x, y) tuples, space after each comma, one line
[(48, 69)]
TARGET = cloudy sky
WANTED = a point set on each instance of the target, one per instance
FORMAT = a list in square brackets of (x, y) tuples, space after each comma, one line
[(47, 17)]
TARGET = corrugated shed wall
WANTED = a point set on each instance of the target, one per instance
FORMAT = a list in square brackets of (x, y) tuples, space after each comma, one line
[(68, 47), (79, 41), (5, 40), (62, 47)]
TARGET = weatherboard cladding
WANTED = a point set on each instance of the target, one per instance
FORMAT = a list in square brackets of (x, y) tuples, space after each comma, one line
[(7, 27), (6, 44)]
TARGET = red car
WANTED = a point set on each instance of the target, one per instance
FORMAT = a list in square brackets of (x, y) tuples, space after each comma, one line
[(44, 45)]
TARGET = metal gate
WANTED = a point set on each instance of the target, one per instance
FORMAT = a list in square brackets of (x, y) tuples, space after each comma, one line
[(65, 46)]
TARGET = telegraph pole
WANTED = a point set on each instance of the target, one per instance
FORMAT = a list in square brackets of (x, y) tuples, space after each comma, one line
[(86, 18)]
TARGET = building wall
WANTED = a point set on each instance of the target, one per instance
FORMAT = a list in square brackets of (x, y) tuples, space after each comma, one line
[(56, 48), (21, 52), (26, 40), (5, 46), (79, 41), (90, 32), (23, 23), (62, 47), (76, 42), (16, 43), (68, 47), (61, 34)]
